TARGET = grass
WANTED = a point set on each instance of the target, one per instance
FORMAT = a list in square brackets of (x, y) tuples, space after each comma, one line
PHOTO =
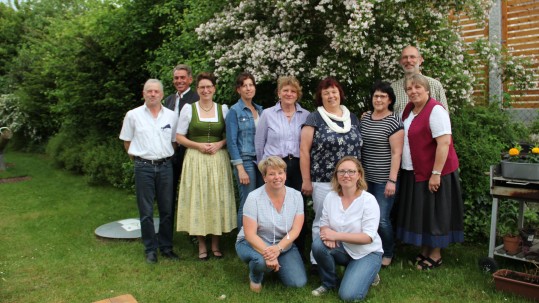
[(49, 253)]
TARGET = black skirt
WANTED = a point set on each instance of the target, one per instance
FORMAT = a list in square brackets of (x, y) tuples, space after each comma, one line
[(430, 219)]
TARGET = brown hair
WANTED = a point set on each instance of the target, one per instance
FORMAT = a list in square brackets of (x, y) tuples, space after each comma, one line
[(244, 76), (206, 76), (325, 84)]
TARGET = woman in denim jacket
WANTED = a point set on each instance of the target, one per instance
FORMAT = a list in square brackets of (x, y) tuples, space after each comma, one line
[(241, 123)]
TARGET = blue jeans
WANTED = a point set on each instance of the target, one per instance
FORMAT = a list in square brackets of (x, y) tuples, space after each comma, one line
[(385, 229), (155, 182), (255, 181), (358, 276), (292, 272)]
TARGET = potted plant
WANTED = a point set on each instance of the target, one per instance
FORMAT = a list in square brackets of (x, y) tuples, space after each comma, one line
[(508, 229), (521, 163)]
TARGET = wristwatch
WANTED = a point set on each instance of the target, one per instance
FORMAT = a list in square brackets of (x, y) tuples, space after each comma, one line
[(435, 172)]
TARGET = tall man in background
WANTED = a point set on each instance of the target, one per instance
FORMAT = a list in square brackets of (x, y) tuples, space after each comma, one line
[(182, 79), (411, 61), (149, 135)]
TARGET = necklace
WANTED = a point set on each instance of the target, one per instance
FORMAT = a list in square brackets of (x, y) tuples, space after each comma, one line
[(206, 110), (289, 115)]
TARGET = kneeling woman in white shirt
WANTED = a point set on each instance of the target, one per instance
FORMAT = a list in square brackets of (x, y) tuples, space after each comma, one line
[(348, 234)]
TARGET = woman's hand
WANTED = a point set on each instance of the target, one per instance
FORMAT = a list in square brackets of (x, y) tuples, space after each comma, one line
[(212, 148), (271, 252), (390, 189), (307, 188), (242, 174), (434, 183), (273, 265), (328, 234), (202, 147), (330, 244)]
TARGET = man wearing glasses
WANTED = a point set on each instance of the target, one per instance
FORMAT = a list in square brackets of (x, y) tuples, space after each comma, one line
[(411, 61)]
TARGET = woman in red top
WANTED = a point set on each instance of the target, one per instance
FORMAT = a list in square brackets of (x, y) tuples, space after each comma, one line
[(430, 208)]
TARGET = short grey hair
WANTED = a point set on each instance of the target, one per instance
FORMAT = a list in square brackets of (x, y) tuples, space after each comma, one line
[(184, 67), (420, 80), (153, 81)]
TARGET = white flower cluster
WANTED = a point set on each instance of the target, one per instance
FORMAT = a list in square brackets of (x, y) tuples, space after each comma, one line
[(356, 41), (272, 38), (13, 117)]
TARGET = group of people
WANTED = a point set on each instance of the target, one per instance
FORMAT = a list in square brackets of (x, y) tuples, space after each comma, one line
[(400, 152)]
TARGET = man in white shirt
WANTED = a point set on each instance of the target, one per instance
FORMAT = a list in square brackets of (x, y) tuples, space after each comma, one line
[(411, 61), (149, 137)]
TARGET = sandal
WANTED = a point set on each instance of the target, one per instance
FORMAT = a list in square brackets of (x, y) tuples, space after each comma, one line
[(217, 254), (203, 256), (423, 265), (418, 259)]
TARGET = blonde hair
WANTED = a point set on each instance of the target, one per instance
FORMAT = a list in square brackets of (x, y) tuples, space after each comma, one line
[(273, 162), (361, 184), (289, 80)]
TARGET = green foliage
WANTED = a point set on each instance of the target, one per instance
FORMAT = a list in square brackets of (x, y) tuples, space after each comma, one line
[(534, 128), (10, 30), (507, 224), (102, 162), (480, 134), (108, 163), (181, 44)]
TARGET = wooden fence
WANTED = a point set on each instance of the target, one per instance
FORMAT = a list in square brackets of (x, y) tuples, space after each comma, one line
[(520, 36)]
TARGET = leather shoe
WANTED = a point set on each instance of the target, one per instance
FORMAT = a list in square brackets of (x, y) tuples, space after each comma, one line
[(169, 254), (151, 257)]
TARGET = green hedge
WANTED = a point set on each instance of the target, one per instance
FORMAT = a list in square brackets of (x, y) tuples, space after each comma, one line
[(480, 134)]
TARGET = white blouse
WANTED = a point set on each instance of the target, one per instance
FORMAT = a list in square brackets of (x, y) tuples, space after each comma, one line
[(362, 216)]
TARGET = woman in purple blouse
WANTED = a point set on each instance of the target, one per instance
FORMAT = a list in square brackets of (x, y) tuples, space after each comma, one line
[(278, 133)]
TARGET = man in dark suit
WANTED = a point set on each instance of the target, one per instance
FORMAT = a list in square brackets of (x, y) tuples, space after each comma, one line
[(182, 79)]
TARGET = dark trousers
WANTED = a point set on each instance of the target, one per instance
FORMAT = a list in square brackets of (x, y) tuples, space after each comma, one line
[(294, 180), (154, 182)]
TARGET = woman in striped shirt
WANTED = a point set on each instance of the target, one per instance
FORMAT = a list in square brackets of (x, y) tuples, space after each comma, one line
[(383, 137)]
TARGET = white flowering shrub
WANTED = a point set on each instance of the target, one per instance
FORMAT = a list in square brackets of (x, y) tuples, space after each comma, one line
[(355, 41), (16, 119)]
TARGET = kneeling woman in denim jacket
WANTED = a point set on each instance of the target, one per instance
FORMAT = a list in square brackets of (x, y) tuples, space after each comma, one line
[(272, 220), (241, 124), (348, 234)]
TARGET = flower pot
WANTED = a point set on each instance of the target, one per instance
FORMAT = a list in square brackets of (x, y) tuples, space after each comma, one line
[(518, 283), (511, 244), (518, 170)]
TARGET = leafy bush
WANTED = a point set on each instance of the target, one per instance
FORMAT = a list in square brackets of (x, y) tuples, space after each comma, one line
[(108, 163), (480, 134), (102, 162)]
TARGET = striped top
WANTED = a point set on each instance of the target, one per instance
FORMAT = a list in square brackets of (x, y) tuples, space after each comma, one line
[(376, 151)]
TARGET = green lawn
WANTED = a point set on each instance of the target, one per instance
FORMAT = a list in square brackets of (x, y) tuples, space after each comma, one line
[(48, 253)]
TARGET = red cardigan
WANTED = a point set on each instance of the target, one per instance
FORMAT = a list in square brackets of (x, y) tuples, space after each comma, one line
[(423, 146)]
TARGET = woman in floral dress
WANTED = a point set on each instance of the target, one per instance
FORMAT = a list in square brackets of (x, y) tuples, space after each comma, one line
[(329, 133)]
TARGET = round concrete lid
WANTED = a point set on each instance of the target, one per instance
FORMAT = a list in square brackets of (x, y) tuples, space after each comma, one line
[(123, 229)]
